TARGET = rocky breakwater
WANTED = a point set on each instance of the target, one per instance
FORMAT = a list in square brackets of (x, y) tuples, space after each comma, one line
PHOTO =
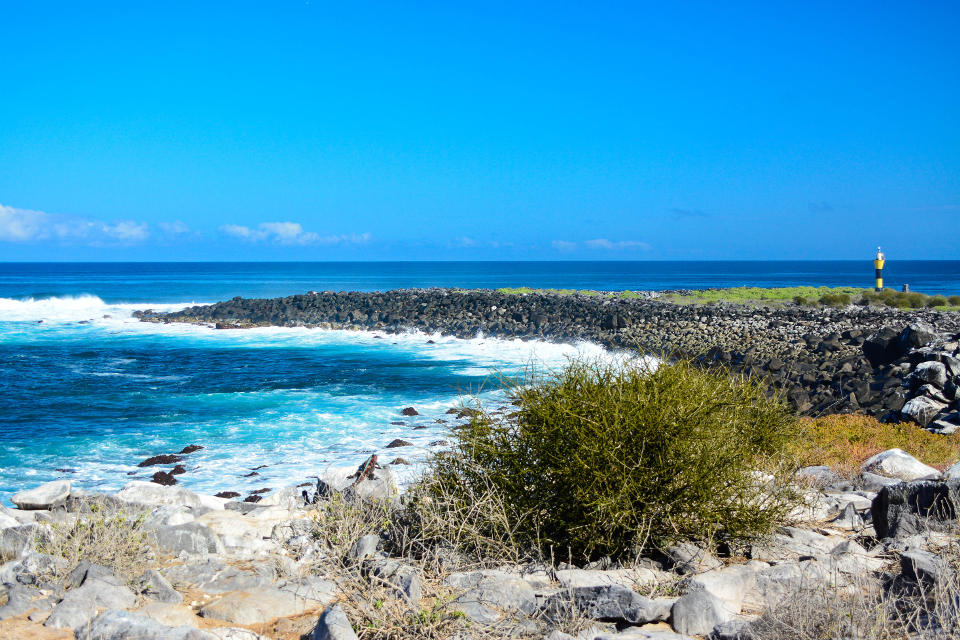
[(819, 356), (213, 569)]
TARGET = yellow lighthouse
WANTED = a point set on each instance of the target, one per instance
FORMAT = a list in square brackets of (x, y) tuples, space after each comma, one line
[(878, 265)]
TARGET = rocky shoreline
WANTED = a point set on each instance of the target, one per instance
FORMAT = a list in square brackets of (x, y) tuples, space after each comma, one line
[(208, 568), (825, 359)]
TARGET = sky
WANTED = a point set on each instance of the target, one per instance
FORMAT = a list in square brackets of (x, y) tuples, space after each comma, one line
[(596, 130)]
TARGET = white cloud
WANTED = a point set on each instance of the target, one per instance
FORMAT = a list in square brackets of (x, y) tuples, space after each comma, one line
[(21, 225), (563, 245), (126, 230), (25, 225), (603, 243), (289, 233), (174, 228)]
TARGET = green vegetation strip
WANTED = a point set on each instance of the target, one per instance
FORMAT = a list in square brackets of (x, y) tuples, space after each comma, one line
[(802, 296)]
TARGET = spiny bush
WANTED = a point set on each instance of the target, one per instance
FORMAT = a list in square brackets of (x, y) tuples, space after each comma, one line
[(954, 301), (609, 459), (937, 301), (339, 521), (115, 539), (844, 442)]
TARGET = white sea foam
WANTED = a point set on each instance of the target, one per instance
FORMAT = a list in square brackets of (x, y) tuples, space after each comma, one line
[(297, 432), (70, 309)]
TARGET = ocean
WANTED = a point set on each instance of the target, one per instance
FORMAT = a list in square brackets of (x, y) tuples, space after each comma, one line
[(87, 392)]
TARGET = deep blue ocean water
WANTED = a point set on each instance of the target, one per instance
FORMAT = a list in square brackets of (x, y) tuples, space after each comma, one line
[(87, 389)]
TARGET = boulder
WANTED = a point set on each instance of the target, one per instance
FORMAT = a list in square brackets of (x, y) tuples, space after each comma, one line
[(258, 606), (922, 410), (15, 541), (123, 625), (631, 578), (42, 497), (154, 495), (932, 372), (925, 569), (213, 576), (883, 347), (153, 585), (172, 615), (489, 594), (79, 606), (382, 485), (698, 612), (908, 508), (20, 600), (614, 603), (897, 463), (365, 547), (191, 538), (333, 625), (915, 336), (403, 577), (687, 558)]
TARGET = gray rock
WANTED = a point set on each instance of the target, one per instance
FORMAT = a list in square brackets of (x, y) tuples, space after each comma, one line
[(909, 508), (79, 606), (42, 497), (490, 594), (382, 485), (213, 576), (922, 410), (15, 541), (933, 372), (790, 542), (952, 473), (732, 630), (924, 568), (614, 603), (688, 558), (263, 604), (897, 463), (191, 538), (333, 625), (848, 520), (19, 600), (874, 483), (154, 495), (85, 570), (365, 547), (153, 585), (731, 584), (404, 577), (123, 625), (821, 475), (698, 612)]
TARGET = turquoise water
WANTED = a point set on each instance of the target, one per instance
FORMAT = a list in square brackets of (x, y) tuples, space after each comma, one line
[(88, 389), (93, 391)]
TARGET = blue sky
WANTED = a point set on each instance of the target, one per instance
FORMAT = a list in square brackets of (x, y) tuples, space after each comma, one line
[(414, 130)]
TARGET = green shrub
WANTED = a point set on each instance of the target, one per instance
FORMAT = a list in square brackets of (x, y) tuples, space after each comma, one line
[(800, 300), (835, 299), (954, 301), (602, 459), (937, 301)]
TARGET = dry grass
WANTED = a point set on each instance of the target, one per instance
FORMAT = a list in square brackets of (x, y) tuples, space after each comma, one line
[(339, 522), (448, 525), (844, 442), (115, 539), (868, 611)]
